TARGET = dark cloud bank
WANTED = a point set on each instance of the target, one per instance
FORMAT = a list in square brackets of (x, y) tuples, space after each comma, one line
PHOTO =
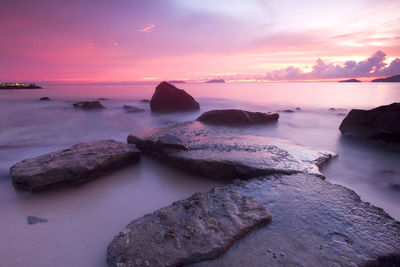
[(371, 67)]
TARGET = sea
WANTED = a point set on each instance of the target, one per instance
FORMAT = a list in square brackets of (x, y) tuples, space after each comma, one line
[(82, 221)]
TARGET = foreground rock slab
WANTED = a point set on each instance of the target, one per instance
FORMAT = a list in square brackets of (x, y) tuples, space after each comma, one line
[(168, 98), (315, 223), (78, 164), (201, 227), (225, 154), (378, 123), (236, 117)]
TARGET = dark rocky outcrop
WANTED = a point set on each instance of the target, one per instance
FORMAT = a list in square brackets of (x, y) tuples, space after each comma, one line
[(350, 81), (226, 153), (45, 98), (314, 223), (35, 220), (236, 117), (75, 165), (132, 109), (395, 79), (198, 228), (168, 98), (87, 105), (215, 81), (378, 123)]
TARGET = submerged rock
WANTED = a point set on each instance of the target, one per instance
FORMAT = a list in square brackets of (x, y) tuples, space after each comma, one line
[(168, 98), (225, 154), (45, 98), (236, 117), (75, 165), (315, 223), (35, 220), (378, 123), (132, 109), (198, 228), (89, 105)]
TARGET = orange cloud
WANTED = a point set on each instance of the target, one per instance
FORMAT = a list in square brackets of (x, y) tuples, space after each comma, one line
[(148, 28)]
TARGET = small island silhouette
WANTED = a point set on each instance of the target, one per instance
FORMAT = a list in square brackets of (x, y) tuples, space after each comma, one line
[(18, 85)]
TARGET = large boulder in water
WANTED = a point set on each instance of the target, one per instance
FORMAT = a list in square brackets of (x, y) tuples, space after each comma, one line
[(168, 98), (236, 117), (379, 123), (226, 153), (75, 165), (198, 228)]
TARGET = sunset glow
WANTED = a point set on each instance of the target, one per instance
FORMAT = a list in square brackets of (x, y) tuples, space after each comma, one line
[(131, 40)]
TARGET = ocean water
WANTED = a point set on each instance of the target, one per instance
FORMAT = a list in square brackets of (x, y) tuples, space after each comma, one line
[(82, 221)]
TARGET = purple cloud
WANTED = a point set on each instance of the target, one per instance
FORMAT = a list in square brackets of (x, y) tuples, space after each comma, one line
[(374, 66)]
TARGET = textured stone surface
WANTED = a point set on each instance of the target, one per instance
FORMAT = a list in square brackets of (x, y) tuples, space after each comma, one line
[(236, 117), (74, 165), (87, 105), (315, 223), (168, 98), (379, 123), (201, 227), (224, 154)]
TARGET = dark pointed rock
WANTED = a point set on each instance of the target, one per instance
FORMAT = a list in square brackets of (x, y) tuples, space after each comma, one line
[(236, 117), (168, 98), (78, 164), (378, 123), (226, 154), (198, 228), (87, 105)]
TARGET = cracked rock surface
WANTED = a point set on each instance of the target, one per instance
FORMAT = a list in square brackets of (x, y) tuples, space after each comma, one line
[(315, 223), (75, 165), (224, 154), (198, 228)]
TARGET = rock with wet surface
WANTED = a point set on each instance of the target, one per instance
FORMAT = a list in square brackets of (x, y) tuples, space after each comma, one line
[(198, 228), (315, 223), (75, 165), (379, 123), (236, 117), (88, 105), (224, 153), (168, 98)]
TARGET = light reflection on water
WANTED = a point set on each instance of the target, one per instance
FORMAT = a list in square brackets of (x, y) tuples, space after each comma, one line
[(82, 221)]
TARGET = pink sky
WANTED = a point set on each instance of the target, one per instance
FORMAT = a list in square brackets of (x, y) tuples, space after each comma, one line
[(137, 40)]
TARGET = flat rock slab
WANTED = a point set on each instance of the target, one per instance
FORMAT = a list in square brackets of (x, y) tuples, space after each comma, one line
[(315, 223), (75, 165), (224, 154), (198, 228)]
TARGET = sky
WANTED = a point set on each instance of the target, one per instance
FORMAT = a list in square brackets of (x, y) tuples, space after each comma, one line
[(195, 40)]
